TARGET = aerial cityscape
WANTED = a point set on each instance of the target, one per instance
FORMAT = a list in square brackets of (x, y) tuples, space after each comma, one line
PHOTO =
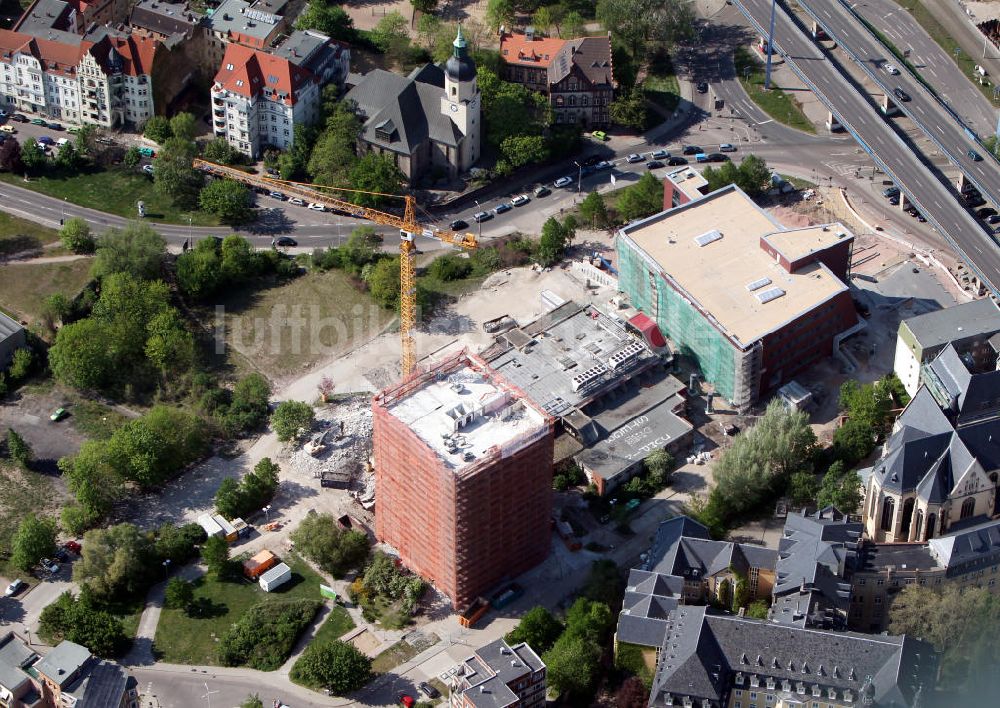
[(499, 353)]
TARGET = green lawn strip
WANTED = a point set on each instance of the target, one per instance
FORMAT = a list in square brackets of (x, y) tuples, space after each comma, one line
[(181, 639), (95, 420), (939, 34), (20, 492), (116, 191), (663, 90), (338, 623), (798, 182), (776, 103), (24, 286), (17, 234)]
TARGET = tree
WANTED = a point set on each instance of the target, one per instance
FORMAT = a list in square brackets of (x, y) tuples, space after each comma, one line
[(509, 108), (593, 210), (336, 550), (500, 13), (290, 418), (20, 364), (629, 109), (215, 554), (659, 468), (252, 701), (240, 261), (227, 199), (802, 488), (116, 561), (632, 694), (552, 244), (18, 448), (572, 665), (520, 150), (841, 487), (175, 176), (75, 235), (219, 150), (85, 623), (178, 544), (10, 156), (375, 172), (573, 25), (332, 20), (383, 282), (542, 19), (158, 129), (35, 539), (248, 408), (179, 594), (68, 158), (184, 126), (136, 249), (335, 665), (79, 358), (132, 157), (85, 140), (151, 449), (424, 6), (758, 609), (228, 501), (170, 346), (752, 175), (32, 156), (56, 308), (642, 199), (389, 35), (637, 22), (539, 628), (94, 482), (199, 270)]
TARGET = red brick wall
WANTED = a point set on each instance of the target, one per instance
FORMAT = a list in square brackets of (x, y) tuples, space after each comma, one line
[(672, 192)]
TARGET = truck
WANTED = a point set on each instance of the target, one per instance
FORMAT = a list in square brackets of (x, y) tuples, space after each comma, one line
[(507, 595), (275, 577)]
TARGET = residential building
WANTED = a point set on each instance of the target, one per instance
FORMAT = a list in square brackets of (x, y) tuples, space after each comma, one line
[(753, 303), (428, 122), (46, 18), (816, 555), (12, 338), (498, 674), (259, 97), (165, 21), (577, 75), (715, 661), (463, 476), (966, 557), (967, 326), (103, 79), (933, 472), (257, 25), (684, 566), (17, 690)]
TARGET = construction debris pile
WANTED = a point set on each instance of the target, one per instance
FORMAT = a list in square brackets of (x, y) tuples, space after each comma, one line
[(340, 444)]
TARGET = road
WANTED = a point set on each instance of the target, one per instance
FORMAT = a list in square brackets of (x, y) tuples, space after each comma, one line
[(927, 190), (938, 122)]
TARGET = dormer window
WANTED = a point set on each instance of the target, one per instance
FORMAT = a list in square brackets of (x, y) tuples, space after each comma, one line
[(272, 79), (229, 67), (239, 82)]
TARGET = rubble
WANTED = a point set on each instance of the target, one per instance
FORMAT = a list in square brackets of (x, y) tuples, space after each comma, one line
[(341, 447)]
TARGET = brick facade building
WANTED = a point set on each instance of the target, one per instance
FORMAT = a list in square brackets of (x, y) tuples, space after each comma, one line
[(463, 475)]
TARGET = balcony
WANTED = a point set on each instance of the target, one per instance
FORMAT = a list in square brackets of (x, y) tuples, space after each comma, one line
[(219, 113)]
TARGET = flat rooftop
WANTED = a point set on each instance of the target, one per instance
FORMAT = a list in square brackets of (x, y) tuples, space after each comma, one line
[(568, 356), (465, 413), (899, 556), (795, 244), (711, 249), (969, 319), (688, 181), (257, 20)]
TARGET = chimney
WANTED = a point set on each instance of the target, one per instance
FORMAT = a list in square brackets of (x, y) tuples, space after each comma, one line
[(529, 34)]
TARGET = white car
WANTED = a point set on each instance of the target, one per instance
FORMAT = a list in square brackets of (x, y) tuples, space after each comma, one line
[(316, 207), (65, 141), (520, 200), (14, 588), (296, 201), (890, 70), (148, 169), (563, 182), (633, 158)]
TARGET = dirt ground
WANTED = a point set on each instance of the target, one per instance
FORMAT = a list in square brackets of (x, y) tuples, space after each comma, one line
[(367, 14)]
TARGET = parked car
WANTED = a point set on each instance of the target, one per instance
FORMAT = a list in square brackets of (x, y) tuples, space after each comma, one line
[(148, 169), (702, 87), (286, 242), (890, 191), (923, 219), (520, 200), (55, 126), (3, 114), (58, 414), (502, 208), (62, 141), (103, 140), (890, 70), (316, 207), (277, 195), (633, 158), (600, 135), (18, 118), (458, 224), (38, 121), (986, 212), (563, 182), (654, 165), (973, 155), (406, 700), (602, 165), (691, 150), (73, 546), (481, 216), (659, 155), (590, 160), (296, 201), (901, 94), (995, 219), (894, 200), (45, 140), (8, 129), (973, 202), (49, 565), (542, 191), (716, 157), (428, 690), (727, 147), (676, 160), (15, 587)]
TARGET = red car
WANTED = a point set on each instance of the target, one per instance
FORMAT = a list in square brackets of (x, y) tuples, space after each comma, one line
[(73, 546), (406, 700)]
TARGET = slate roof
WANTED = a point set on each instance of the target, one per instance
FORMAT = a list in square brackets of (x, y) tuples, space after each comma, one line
[(165, 18), (103, 685), (971, 544), (491, 669), (964, 391), (683, 547), (406, 107), (935, 329), (702, 653), (62, 663), (8, 327), (309, 50), (649, 599)]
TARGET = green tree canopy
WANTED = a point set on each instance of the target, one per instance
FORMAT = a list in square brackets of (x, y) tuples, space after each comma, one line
[(136, 249), (75, 235), (335, 151), (593, 210), (321, 539), (572, 665), (332, 20), (638, 22), (158, 129), (641, 199), (220, 150), (33, 156), (174, 175), (179, 594), (291, 417), (215, 554), (375, 172), (539, 628), (335, 665), (115, 561), (227, 199), (35, 538), (18, 448), (184, 126), (841, 487)]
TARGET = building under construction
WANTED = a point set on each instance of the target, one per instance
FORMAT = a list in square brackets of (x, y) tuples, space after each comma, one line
[(751, 302), (463, 475)]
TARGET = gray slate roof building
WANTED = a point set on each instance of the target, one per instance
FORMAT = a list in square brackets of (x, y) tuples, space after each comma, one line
[(15, 657), (933, 330), (969, 549), (63, 664), (164, 19), (104, 684), (705, 657), (12, 337), (316, 53), (498, 675), (649, 600), (965, 384)]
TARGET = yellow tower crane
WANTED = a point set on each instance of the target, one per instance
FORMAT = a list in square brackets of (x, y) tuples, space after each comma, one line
[(407, 225)]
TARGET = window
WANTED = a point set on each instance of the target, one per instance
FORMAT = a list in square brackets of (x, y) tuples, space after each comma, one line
[(862, 581), (888, 508), (753, 695), (229, 67), (880, 581), (968, 507)]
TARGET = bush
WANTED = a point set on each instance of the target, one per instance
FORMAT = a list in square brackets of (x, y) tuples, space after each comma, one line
[(335, 665), (450, 267), (35, 539), (85, 623), (178, 544), (265, 635), (237, 499), (75, 235), (291, 419), (321, 539)]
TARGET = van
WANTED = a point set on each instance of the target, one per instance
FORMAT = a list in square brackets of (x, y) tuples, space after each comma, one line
[(701, 157)]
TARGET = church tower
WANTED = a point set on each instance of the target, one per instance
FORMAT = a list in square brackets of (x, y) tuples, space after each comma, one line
[(461, 101)]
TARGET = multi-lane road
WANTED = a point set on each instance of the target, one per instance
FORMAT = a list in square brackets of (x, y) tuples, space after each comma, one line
[(921, 185)]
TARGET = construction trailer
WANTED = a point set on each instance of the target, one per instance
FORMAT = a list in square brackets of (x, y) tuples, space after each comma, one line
[(256, 566), (275, 577), (228, 530), (210, 525)]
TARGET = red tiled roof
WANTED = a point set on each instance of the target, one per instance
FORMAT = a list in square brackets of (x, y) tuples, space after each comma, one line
[(136, 51), (254, 71), (540, 51), (55, 57)]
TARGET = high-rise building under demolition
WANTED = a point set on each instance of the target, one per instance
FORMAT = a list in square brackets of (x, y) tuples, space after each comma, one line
[(463, 475)]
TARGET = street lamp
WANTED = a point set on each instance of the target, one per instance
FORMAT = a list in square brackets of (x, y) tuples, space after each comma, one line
[(62, 215), (166, 568), (579, 177), (267, 514), (479, 221)]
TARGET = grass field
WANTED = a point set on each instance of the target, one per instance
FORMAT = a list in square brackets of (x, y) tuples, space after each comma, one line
[(95, 420), (181, 639), (776, 103), (285, 330), (24, 286), (661, 86), (21, 492), (116, 191), (18, 235)]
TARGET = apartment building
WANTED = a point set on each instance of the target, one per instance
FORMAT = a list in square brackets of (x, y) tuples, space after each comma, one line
[(258, 25), (103, 79), (259, 97), (499, 674)]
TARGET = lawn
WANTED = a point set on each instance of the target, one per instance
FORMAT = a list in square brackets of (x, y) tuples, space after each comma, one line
[(18, 235), (24, 286), (289, 328), (661, 86), (939, 34), (799, 182), (116, 191), (181, 639), (95, 420), (776, 103), (337, 624), (21, 492)]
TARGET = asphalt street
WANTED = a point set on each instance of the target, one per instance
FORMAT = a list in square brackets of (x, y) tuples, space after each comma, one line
[(942, 125), (925, 189)]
